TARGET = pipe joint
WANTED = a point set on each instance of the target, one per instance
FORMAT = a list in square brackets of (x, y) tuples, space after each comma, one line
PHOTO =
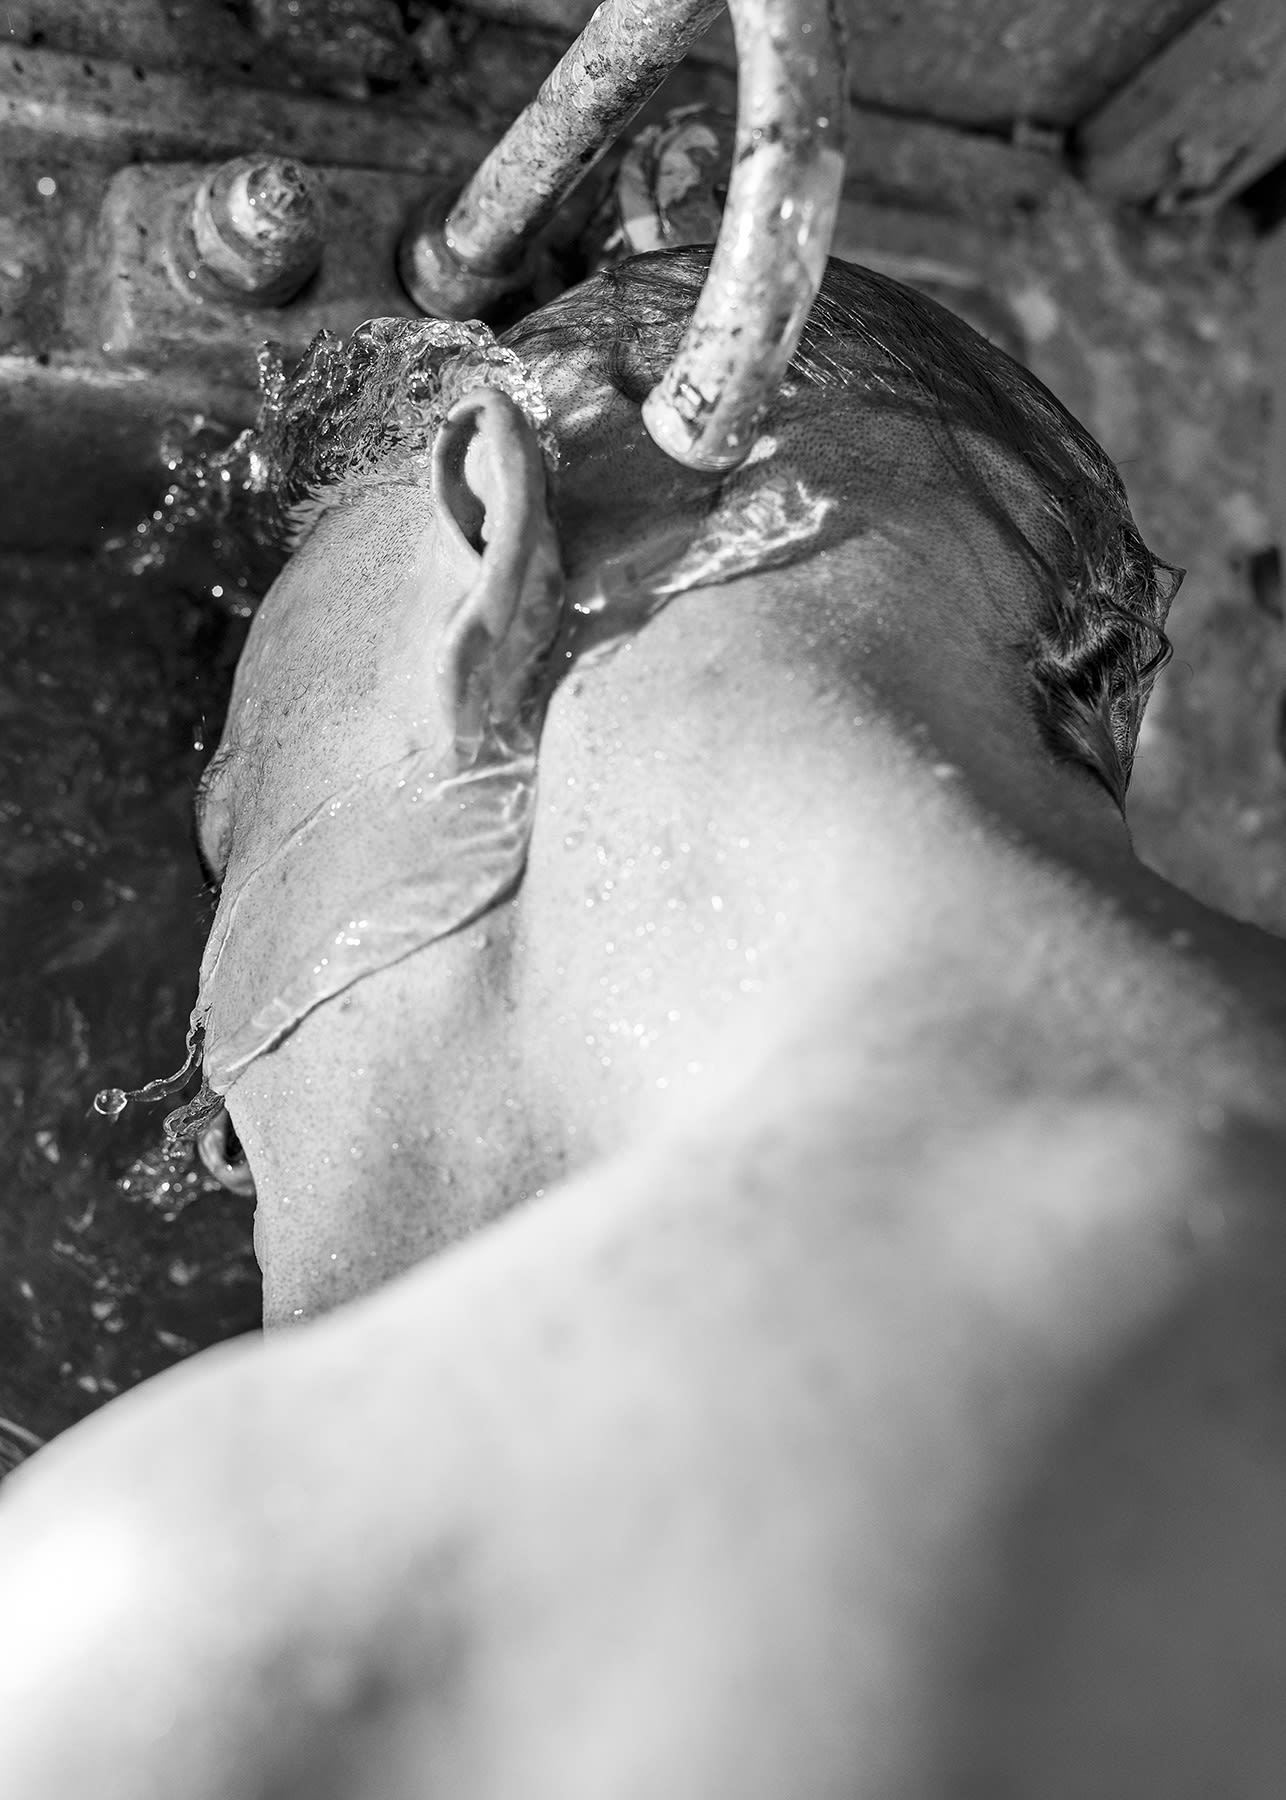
[(434, 275), (770, 257)]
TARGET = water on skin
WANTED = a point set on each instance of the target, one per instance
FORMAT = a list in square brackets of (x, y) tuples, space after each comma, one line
[(352, 414), (210, 548), (368, 407)]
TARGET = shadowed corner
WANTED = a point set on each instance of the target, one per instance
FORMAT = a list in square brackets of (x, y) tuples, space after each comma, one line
[(16, 1445)]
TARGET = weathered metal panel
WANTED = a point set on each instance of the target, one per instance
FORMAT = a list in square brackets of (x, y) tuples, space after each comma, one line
[(971, 62), (120, 112), (76, 336), (107, 110), (144, 316)]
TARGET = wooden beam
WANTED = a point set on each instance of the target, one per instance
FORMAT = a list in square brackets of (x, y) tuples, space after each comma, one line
[(1201, 120)]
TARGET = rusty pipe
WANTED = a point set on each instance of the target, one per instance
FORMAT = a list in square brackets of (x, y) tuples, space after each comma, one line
[(788, 167), (768, 262), (458, 257)]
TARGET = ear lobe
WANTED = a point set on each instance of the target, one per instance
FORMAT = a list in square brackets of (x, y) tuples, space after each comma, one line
[(488, 478)]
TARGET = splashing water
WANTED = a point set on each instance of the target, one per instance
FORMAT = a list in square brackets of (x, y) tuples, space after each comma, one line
[(388, 388), (418, 854), (111, 1102), (446, 844), (347, 408), (181, 1125), (165, 1180), (347, 405), (212, 512)]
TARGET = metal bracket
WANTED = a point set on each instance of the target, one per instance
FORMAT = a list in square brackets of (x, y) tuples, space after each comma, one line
[(153, 311)]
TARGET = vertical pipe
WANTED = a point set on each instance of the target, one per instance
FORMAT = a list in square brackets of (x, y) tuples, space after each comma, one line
[(616, 64), (788, 167), (452, 266)]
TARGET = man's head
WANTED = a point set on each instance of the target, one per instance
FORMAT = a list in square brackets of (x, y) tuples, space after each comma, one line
[(920, 521), (874, 353)]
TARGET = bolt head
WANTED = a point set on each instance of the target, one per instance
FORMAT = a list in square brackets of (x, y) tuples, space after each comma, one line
[(258, 228)]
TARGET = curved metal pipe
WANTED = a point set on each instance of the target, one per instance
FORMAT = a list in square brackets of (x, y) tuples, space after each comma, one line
[(454, 262), (788, 167), (768, 263)]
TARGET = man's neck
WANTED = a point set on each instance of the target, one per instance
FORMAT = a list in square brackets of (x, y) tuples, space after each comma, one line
[(958, 939)]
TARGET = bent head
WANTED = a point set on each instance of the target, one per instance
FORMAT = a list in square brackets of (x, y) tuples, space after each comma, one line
[(419, 1015)]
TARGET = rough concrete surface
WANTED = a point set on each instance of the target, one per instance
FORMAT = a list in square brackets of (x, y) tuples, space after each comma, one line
[(111, 1265)]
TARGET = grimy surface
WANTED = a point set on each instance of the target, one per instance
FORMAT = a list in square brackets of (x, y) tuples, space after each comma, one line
[(113, 1266), (976, 62)]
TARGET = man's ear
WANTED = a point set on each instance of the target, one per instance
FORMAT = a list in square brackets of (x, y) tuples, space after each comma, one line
[(489, 482)]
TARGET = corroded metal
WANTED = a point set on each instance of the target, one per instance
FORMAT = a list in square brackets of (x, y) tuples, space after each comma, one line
[(673, 181), (788, 168), (434, 277), (458, 261), (782, 202), (257, 229), (154, 307)]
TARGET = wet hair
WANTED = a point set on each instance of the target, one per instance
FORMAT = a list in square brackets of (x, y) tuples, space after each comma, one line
[(1096, 638)]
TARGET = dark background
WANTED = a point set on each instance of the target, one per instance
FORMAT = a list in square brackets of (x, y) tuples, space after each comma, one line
[(114, 1263)]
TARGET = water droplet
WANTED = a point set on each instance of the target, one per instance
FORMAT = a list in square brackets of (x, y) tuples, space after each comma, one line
[(110, 1102)]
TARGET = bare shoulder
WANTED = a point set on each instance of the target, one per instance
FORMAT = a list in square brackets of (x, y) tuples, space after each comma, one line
[(716, 1473)]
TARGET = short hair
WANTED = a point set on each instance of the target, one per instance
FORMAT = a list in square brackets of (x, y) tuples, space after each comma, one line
[(1097, 640)]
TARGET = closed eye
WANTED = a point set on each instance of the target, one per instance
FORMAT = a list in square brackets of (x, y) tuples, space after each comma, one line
[(210, 844), (212, 879)]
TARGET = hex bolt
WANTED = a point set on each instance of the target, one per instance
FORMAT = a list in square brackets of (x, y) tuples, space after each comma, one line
[(256, 230)]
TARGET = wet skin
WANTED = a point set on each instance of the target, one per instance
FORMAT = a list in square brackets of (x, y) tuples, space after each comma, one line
[(867, 1373)]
